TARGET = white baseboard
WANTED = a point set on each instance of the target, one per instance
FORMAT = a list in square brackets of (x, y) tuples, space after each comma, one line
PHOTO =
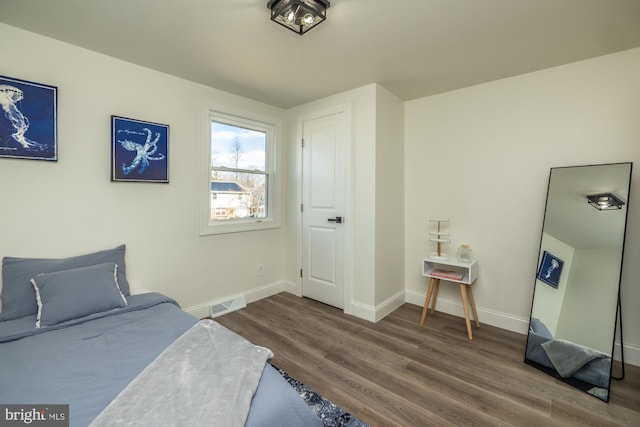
[(362, 311), (510, 323), (389, 306), (489, 317), (374, 314), (631, 354), (255, 294), (267, 290)]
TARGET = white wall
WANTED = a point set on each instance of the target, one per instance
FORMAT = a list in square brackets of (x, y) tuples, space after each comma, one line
[(589, 306), (70, 207), (389, 200), (361, 275), (374, 281), (481, 156)]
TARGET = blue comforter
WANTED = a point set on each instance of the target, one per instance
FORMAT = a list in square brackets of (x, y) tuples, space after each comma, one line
[(87, 362)]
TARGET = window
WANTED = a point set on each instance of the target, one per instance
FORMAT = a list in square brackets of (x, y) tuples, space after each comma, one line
[(240, 180)]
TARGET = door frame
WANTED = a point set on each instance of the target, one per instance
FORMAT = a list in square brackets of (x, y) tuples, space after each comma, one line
[(348, 202)]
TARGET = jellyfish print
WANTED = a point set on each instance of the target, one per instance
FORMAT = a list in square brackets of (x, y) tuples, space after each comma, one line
[(554, 265), (550, 269), (10, 96), (28, 119)]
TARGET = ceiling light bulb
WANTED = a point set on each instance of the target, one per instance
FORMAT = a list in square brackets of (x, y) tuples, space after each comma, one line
[(307, 19), (290, 16)]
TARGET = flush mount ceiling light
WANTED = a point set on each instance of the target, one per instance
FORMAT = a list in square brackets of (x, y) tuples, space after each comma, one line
[(298, 15), (605, 201)]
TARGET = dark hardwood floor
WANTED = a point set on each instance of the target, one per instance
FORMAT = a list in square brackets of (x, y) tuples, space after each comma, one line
[(397, 373)]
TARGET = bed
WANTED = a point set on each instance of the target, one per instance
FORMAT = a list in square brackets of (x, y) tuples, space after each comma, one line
[(73, 334), (588, 368)]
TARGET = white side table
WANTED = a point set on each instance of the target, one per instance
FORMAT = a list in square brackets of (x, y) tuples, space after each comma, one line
[(464, 273)]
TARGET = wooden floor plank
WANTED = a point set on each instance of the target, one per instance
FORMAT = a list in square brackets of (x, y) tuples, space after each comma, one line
[(398, 373)]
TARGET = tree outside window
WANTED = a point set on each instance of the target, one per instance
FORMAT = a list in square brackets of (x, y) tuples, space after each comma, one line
[(239, 172)]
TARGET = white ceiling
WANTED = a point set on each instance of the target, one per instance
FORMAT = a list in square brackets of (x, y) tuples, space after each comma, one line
[(414, 48), (568, 216)]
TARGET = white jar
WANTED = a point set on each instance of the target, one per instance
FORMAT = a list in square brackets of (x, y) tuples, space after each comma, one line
[(464, 253)]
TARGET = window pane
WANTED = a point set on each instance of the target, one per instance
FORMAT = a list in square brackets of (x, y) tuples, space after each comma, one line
[(237, 148), (241, 169), (238, 195)]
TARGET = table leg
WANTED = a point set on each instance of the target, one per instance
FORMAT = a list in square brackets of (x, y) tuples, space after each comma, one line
[(434, 297), (463, 293), (426, 300), (473, 306)]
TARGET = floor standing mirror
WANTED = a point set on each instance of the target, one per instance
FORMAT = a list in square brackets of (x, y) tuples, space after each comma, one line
[(575, 300)]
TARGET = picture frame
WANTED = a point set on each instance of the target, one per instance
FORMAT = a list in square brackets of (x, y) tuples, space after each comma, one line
[(28, 120), (139, 150), (550, 269)]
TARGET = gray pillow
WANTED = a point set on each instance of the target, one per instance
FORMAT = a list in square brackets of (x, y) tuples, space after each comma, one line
[(18, 297), (567, 357), (539, 328), (71, 294)]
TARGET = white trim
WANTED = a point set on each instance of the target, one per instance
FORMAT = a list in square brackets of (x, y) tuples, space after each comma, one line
[(265, 291), (631, 354), (252, 295), (390, 305), (363, 311), (489, 317), (344, 108), (38, 301), (510, 322), (274, 147), (378, 312)]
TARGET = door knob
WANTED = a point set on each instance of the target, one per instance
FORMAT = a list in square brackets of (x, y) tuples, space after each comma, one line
[(337, 220)]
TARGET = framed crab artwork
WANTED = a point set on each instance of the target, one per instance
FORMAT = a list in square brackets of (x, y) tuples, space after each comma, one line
[(139, 150)]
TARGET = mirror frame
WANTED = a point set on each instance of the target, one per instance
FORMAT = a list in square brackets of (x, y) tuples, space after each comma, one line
[(551, 370)]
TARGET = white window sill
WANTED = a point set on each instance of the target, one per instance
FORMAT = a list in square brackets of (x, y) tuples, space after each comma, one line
[(238, 226)]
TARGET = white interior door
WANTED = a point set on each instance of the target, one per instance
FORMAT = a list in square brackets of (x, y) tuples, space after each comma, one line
[(323, 188)]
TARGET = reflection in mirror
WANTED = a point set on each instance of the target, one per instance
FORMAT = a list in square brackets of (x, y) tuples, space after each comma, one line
[(575, 301)]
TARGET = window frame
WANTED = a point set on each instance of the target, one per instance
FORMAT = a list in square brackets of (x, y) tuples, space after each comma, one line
[(248, 120)]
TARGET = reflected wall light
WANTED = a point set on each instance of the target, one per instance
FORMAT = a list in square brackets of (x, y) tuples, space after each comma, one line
[(298, 15), (605, 201)]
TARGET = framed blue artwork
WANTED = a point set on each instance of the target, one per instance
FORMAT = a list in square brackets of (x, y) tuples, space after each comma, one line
[(550, 269), (28, 120), (139, 150)]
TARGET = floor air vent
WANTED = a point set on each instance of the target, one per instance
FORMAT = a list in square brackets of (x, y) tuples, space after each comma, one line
[(223, 307)]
